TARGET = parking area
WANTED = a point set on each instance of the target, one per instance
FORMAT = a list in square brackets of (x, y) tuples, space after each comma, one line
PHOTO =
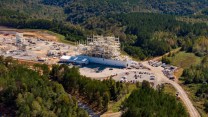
[(168, 70), (135, 76), (127, 75)]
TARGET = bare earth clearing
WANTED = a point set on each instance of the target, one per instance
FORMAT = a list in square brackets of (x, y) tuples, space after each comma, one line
[(32, 33)]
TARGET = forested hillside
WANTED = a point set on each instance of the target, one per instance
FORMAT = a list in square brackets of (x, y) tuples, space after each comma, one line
[(34, 9), (24, 92), (205, 11), (156, 34), (146, 102), (79, 10)]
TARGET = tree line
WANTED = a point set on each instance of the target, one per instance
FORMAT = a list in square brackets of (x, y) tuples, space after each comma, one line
[(157, 34), (147, 102), (24, 92), (80, 10), (95, 92)]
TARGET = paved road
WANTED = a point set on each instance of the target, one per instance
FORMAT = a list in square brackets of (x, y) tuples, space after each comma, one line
[(161, 78)]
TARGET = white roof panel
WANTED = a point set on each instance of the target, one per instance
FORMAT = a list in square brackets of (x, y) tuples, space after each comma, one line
[(66, 57)]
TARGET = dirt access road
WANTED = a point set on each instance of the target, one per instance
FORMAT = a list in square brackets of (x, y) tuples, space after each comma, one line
[(161, 78), (117, 114), (42, 34)]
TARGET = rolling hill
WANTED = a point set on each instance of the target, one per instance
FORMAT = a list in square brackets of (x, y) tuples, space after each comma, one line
[(77, 11)]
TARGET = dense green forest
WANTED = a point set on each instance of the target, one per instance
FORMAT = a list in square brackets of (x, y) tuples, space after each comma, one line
[(34, 9), (147, 102), (157, 34), (24, 92), (80, 10), (205, 11)]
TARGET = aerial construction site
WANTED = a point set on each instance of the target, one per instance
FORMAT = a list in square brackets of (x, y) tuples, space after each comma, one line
[(103, 47), (29, 47), (98, 57), (104, 50)]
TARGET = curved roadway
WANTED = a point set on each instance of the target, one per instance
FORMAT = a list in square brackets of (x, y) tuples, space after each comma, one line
[(161, 78)]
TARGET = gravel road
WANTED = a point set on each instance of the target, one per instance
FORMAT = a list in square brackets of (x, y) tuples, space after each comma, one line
[(161, 78)]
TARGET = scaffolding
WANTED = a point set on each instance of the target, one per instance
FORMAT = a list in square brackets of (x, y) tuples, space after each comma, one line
[(107, 47), (20, 40)]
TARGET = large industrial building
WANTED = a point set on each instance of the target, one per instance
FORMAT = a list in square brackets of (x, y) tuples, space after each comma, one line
[(75, 59), (100, 50)]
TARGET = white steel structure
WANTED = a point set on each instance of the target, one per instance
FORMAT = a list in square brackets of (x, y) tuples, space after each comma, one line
[(20, 41), (103, 50), (103, 47), (20, 38)]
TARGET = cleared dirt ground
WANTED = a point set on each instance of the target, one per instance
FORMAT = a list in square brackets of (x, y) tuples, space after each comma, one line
[(42, 34)]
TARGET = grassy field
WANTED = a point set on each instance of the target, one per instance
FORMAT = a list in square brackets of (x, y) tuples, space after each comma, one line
[(169, 89), (184, 60), (115, 106), (60, 37), (178, 73)]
